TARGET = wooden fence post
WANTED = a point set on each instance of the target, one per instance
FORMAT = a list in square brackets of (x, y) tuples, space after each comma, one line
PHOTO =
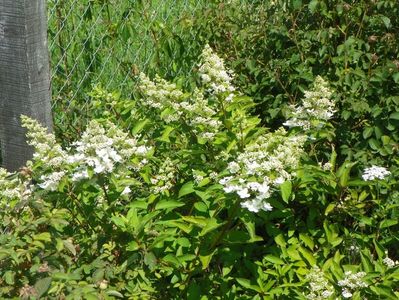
[(24, 76)]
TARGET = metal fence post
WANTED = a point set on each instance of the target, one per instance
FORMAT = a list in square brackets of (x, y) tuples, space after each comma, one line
[(24, 76)]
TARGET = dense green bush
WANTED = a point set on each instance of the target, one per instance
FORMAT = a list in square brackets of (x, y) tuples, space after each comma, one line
[(189, 197), (279, 47)]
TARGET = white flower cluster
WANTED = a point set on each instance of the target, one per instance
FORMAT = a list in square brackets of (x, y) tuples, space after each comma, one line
[(214, 74), (98, 151), (12, 188), (390, 263), (316, 108), (164, 180), (173, 105), (161, 94), (351, 283), (50, 182), (47, 150), (101, 149), (262, 166), (202, 116), (375, 172), (319, 286)]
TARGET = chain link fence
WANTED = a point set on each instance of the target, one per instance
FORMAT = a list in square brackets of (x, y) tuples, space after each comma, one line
[(108, 42)]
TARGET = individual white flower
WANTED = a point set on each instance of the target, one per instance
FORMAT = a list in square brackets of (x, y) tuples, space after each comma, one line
[(279, 180), (375, 172), (126, 191), (243, 193), (346, 293)]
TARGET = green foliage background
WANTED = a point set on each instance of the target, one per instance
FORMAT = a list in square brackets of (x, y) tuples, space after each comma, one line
[(193, 242)]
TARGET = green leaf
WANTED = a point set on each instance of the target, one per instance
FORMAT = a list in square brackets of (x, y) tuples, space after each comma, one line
[(211, 225), (139, 126), (286, 189), (150, 260), (114, 293), (201, 206), (247, 284), (384, 291), (9, 277), (308, 256), (308, 241), (167, 203), (313, 6), (366, 263), (44, 236), (42, 286), (330, 207), (343, 172), (68, 244), (374, 144), (386, 21), (280, 240), (65, 276), (198, 221), (186, 189), (166, 133), (205, 260), (395, 115), (367, 132), (250, 226), (274, 259), (388, 223)]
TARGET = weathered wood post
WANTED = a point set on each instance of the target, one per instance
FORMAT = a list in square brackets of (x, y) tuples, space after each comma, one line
[(24, 75)]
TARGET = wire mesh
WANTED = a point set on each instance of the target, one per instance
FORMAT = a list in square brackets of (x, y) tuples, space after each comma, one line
[(108, 42)]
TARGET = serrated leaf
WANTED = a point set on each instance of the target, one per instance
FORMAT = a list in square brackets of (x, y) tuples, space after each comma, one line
[(9, 277), (68, 245), (42, 286), (150, 260), (114, 293)]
